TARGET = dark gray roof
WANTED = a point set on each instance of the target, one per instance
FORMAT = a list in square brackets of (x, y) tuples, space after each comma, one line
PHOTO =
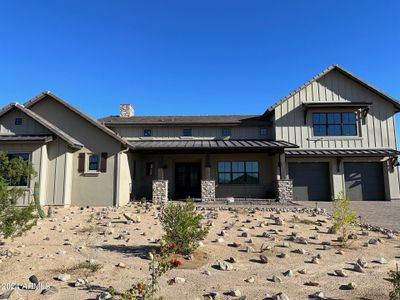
[(346, 73), (236, 145), (249, 120), (51, 127), (88, 118), (342, 152), (26, 138)]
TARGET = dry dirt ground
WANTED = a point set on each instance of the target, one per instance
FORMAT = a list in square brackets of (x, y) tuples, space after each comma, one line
[(73, 236)]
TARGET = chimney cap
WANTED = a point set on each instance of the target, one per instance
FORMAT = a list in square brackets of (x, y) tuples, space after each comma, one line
[(126, 110)]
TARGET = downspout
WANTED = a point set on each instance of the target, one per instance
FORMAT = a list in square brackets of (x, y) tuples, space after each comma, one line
[(118, 177)]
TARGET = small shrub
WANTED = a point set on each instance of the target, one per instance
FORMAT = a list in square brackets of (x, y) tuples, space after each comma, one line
[(344, 218), (158, 266), (36, 199), (395, 278), (50, 212), (182, 225)]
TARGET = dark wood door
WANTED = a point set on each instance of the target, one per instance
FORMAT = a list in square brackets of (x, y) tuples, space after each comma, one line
[(187, 180)]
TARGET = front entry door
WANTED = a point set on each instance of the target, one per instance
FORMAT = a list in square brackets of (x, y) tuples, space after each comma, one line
[(187, 180)]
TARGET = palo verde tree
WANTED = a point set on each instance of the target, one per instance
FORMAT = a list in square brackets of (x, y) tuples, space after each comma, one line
[(14, 173)]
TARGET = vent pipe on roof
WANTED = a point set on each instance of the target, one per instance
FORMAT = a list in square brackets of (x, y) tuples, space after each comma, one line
[(126, 111)]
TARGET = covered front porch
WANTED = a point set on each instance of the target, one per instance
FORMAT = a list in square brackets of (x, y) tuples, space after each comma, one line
[(210, 170)]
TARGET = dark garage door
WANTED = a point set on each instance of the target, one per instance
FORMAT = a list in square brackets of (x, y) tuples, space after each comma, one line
[(310, 181), (364, 180)]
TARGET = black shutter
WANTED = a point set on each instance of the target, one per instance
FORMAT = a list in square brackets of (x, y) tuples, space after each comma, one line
[(103, 162), (81, 162)]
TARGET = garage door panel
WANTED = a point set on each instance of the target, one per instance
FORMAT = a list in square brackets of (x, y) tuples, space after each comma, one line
[(310, 181), (364, 180)]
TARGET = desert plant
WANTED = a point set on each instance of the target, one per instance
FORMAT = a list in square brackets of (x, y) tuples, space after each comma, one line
[(344, 218), (395, 278), (182, 226), (36, 199), (50, 212), (14, 220), (158, 266)]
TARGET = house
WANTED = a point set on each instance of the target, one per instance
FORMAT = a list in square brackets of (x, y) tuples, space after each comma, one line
[(335, 133)]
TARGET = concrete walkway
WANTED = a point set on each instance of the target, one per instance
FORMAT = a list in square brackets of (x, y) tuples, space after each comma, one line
[(378, 213)]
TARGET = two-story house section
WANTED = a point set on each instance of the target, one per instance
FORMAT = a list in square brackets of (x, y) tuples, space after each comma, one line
[(345, 130), (335, 133)]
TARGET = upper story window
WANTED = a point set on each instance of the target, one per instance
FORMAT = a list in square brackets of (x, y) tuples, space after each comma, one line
[(147, 132), (93, 162), (18, 121), (263, 131), (238, 172), (226, 132), (334, 124), (187, 132)]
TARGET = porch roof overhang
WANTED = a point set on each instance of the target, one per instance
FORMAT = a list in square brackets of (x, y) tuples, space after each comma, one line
[(26, 138), (206, 146), (343, 152)]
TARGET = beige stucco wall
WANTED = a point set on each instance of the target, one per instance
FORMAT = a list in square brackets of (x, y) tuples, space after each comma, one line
[(87, 189), (28, 126)]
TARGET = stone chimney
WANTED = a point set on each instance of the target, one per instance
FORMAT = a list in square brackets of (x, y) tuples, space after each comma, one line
[(126, 111)]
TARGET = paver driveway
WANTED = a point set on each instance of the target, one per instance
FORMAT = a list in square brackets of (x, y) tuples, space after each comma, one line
[(378, 213)]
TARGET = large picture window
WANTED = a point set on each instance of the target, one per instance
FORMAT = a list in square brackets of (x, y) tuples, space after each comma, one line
[(23, 181), (238, 172), (334, 124)]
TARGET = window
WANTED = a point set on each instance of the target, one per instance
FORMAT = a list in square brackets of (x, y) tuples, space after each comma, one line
[(147, 132), (93, 162), (226, 132), (187, 132), (18, 121), (263, 131), (23, 181), (238, 172), (334, 124), (149, 169)]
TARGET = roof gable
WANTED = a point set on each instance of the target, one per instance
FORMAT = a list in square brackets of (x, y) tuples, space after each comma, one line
[(347, 74), (84, 116), (49, 126)]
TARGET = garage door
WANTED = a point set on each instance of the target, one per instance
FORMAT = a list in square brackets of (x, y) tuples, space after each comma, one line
[(310, 181), (364, 180)]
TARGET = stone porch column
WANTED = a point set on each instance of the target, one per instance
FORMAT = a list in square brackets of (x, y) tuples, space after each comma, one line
[(160, 191), (283, 185), (207, 184)]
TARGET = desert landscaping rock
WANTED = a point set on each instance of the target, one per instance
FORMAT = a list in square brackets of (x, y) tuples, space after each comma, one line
[(63, 277), (49, 290), (280, 296), (6, 294), (224, 266), (362, 262), (33, 279), (340, 273), (245, 270), (263, 259)]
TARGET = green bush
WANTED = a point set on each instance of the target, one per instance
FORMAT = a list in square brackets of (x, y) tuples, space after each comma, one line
[(14, 220), (182, 225), (344, 218), (395, 277)]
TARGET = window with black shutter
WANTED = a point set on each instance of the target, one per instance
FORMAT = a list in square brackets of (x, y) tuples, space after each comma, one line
[(103, 162)]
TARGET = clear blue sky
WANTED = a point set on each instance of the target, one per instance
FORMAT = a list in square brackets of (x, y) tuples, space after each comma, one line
[(190, 57)]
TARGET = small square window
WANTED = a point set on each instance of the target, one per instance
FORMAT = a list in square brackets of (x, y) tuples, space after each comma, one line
[(18, 121), (226, 132), (263, 131), (147, 132), (93, 162), (187, 132)]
